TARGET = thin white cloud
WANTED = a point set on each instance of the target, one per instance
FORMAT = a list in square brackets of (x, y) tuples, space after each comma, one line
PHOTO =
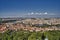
[(45, 13), (32, 13)]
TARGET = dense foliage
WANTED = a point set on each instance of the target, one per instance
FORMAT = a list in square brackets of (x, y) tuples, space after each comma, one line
[(26, 35)]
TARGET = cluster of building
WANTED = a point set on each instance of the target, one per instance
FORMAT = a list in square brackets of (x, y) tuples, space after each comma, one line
[(49, 21), (26, 25)]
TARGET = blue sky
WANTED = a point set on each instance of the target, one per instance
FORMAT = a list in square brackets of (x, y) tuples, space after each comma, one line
[(17, 8)]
